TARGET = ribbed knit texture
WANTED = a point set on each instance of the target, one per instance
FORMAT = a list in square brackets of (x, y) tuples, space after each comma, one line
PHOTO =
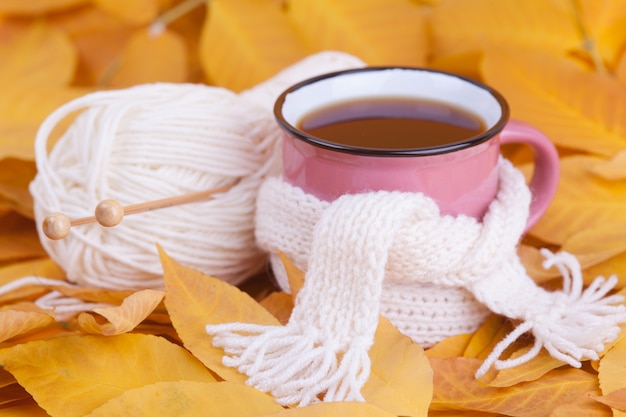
[(384, 252)]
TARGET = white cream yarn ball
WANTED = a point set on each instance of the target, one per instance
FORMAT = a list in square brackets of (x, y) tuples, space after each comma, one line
[(146, 143), (157, 141)]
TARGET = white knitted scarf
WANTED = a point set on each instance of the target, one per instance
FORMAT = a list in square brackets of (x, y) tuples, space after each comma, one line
[(353, 247)]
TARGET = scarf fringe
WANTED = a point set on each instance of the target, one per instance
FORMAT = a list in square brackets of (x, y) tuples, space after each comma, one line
[(295, 365), (572, 325)]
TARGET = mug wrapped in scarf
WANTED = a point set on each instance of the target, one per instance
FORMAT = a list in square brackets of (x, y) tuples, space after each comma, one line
[(419, 227)]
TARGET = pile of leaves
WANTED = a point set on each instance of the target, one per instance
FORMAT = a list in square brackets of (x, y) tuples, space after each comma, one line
[(561, 64)]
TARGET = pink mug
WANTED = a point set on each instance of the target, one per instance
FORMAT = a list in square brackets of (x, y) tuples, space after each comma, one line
[(460, 177)]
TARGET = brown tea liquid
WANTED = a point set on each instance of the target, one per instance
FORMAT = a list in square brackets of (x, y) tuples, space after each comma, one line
[(392, 123)]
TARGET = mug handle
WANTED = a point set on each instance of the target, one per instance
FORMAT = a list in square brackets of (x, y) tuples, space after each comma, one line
[(546, 173)]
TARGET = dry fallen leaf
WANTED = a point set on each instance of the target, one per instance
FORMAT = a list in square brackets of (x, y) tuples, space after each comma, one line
[(194, 300), (19, 319), (457, 389), (189, 398), (577, 109), (149, 58), (396, 35), (36, 7), (124, 318), (73, 375), (245, 42), (42, 56), (401, 380)]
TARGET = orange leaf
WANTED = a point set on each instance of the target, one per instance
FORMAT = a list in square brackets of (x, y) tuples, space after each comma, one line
[(450, 347), (583, 202), (194, 300), (457, 389), (71, 376), (295, 276), (121, 319), (575, 108), (389, 33), (401, 377), (42, 56), (189, 399), (151, 58)]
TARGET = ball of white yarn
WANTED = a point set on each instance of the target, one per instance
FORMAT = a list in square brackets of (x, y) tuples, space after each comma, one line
[(156, 141), (147, 143)]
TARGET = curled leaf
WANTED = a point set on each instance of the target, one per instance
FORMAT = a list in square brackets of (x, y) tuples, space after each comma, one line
[(124, 318)]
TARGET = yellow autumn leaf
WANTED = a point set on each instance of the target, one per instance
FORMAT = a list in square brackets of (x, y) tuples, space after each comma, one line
[(401, 377), (194, 300), (575, 108), (616, 399), (484, 339), (295, 276), (36, 268), (389, 33), (42, 56), (613, 368), (18, 238), (460, 26), (149, 58), (457, 389), (124, 318), (136, 12), (450, 347), (189, 398), (279, 304), (527, 371), (584, 406), (245, 42), (15, 176), (582, 203), (613, 169), (334, 409), (73, 375), (23, 110), (37, 7), (605, 21), (17, 321), (99, 39)]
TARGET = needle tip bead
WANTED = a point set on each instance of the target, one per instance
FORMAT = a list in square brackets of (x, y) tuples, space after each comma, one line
[(56, 226), (109, 213)]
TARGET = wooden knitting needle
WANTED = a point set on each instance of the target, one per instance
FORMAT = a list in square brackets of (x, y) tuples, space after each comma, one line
[(110, 212)]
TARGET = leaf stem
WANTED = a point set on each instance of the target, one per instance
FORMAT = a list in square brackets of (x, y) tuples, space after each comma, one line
[(589, 44), (160, 23)]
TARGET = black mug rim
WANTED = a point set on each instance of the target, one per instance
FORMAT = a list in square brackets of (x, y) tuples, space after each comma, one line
[(425, 151)]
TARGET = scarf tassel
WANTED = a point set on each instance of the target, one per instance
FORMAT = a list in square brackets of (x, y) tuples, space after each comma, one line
[(294, 365), (572, 325)]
